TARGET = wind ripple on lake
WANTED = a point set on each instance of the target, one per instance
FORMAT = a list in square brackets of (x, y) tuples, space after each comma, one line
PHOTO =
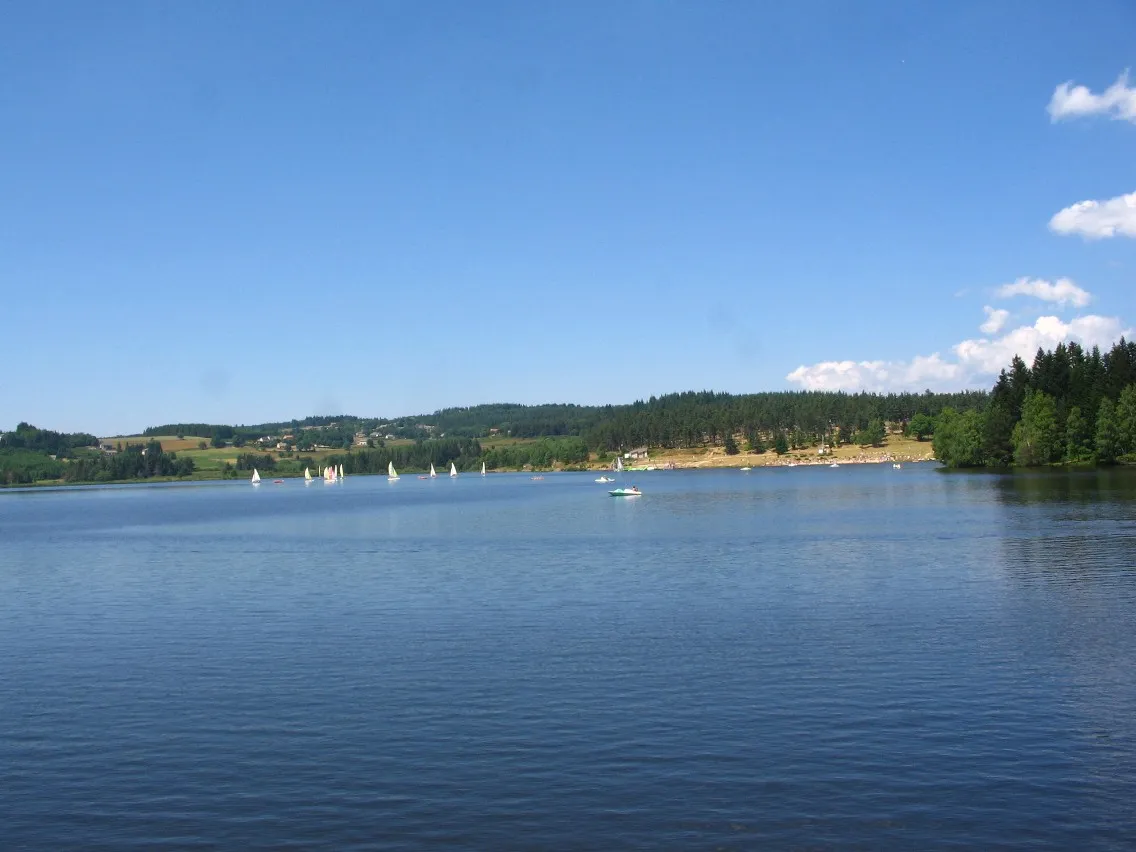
[(780, 660)]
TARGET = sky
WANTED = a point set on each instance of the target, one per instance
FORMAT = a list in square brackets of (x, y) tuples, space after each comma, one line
[(244, 212)]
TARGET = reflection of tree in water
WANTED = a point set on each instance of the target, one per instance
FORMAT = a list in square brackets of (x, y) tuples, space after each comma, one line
[(1069, 556)]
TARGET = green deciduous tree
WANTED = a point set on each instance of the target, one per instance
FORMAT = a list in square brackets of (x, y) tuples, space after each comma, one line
[(1126, 420), (1107, 437), (921, 426), (1078, 441), (958, 438), (1036, 439)]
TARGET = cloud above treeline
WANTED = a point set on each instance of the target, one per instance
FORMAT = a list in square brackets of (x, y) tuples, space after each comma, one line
[(995, 319), (1118, 101), (976, 361)]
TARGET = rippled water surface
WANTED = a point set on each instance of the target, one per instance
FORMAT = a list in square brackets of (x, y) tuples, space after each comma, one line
[(805, 658)]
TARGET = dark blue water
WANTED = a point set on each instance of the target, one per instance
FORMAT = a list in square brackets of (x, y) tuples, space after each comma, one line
[(805, 658)]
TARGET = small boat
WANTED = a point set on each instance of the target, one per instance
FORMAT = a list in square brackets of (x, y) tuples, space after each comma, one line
[(625, 492), (483, 468), (605, 479), (433, 474), (423, 476), (618, 463), (834, 464), (255, 477), (392, 474), (453, 471), (278, 482), (307, 477), (329, 474), (535, 478), (897, 466), (342, 475), (746, 469)]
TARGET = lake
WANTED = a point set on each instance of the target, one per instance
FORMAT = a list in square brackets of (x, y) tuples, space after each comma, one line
[(810, 658)]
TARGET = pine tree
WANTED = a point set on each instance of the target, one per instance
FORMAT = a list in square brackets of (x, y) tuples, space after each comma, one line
[(730, 444), (780, 444), (876, 432)]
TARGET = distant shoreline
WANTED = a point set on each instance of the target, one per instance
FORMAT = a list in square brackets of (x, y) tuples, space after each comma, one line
[(735, 463)]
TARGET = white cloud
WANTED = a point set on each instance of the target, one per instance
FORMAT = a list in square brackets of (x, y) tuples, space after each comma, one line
[(1118, 101), (1062, 291), (995, 319), (1096, 220), (921, 372), (975, 364), (987, 357)]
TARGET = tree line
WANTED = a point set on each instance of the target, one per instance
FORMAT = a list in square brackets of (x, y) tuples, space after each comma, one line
[(137, 461), (59, 444), (1070, 406), (465, 453), (544, 453)]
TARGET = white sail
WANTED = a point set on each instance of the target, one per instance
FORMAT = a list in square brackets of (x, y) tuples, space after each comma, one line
[(453, 470), (483, 468), (433, 475), (255, 477), (391, 472), (618, 463), (307, 475), (341, 471)]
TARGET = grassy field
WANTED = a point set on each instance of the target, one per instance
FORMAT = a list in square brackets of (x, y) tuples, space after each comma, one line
[(495, 442), (170, 443)]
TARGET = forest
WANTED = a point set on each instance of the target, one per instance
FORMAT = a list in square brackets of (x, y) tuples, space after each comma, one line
[(1069, 406)]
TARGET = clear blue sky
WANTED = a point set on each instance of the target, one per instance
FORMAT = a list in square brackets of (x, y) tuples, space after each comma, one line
[(240, 212)]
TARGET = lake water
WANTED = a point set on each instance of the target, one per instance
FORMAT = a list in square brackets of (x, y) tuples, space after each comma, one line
[(806, 658)]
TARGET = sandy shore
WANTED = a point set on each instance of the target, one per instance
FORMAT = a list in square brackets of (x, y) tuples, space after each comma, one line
[(895, 450)]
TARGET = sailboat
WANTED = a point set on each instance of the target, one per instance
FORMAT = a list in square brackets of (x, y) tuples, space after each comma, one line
[(341, 476), (433, 473), (453, 471), (255, 477), (329, 474), (483, 468), (307, 477), (618, 463), (392, 474)]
